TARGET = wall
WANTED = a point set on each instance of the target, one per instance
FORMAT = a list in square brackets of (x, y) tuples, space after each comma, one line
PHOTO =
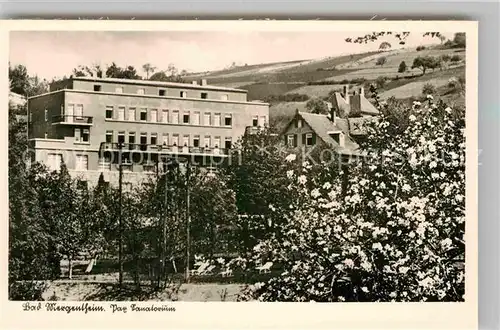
[(94, 104), (172, 90), (37, 105), (292, 129)]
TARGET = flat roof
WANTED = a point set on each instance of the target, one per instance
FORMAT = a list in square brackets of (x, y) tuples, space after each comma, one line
[(158, 83)]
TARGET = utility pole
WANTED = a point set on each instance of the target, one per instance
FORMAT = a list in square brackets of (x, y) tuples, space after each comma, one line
[(120, 220), (188, 221)]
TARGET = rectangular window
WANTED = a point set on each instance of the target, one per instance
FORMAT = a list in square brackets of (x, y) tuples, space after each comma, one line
[(46, 115), (70, 113), (131, 137), (206, 142), (140, 91), (206, 119), (131, 114), (121, 113), (85, 135), (78, 135), (204, 95), (228, 120), (175, 140), (97, 88), (161, 92), (196, 141), (121, 137), (165, 139), (79, 111), (185, 118), (144, 114), (262, 121), (309, 139), (196, 118), (224, 97), (217, 119), (217, 142), (185, 141), (144, 141), (290, 140), (154, 138), (154, 115), (109, 112), (54, 161), (183, 94), (109, 136), (164, 117), (175, 117), (255, 121), (299, 123), (118, 89), (82, 162), (228, 143)]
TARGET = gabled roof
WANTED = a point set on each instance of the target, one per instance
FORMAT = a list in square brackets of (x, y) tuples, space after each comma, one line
[(322, 125), (357, 103)]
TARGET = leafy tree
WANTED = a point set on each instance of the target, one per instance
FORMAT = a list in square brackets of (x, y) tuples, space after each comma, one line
[(402, 67), (429, 89), (170, 75), (29, 239), (425, 62), (381, 61), (24, 84), (18, 76), (213, 215), (399, 36), (257, 175), (455, 58), (380, 81), (317, 105), (384, 45), (129, 72), (148, 68), (442, 39), (398, 235), (459, 39)]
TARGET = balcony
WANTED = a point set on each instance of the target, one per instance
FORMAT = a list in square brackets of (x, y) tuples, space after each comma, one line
[(72, 120), (164, 149)]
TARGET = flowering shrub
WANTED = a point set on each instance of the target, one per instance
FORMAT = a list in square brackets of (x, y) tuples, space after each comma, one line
[(398, 232)]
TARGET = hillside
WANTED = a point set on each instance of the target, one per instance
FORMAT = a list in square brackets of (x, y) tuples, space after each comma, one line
[(316, 78)]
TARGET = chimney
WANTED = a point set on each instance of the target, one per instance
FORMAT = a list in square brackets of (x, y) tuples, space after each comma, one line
[(203, 82), (195, 82), (362, 91), (332, 114), (346, 93)]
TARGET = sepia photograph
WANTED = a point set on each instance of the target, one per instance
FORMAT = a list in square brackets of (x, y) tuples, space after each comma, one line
[(237, 165)]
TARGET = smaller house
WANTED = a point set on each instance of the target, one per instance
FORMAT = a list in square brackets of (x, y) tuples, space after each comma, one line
[(307, 130), (353, 105), (341, 129)]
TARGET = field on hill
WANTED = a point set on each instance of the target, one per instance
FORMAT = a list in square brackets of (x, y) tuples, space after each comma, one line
[(316, 90)]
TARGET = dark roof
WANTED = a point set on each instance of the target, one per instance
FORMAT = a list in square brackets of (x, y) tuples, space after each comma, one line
[(322, 126), (357, 103)]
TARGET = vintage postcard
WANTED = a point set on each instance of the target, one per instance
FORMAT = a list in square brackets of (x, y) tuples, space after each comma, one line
[(235, 174)]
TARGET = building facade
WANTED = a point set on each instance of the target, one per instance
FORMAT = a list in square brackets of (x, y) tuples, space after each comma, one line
[(94, 124)]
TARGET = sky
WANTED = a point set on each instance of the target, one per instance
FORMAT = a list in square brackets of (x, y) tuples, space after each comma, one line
[(51, 54)]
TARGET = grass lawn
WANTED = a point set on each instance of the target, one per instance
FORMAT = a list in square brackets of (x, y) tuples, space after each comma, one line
[(316, 90)]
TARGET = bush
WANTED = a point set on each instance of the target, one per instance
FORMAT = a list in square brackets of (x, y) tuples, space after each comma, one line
[(402, 67), (380, 81), (419, 48), (381, 61), (27, 291), (429, 89), (455, 58)]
